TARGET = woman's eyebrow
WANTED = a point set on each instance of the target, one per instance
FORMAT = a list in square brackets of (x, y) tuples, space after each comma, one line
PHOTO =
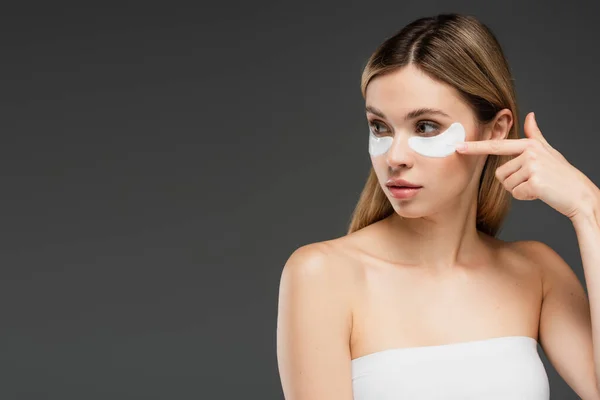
[(413, 114)]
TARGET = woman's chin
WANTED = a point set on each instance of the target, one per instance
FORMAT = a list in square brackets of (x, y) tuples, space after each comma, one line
[(409, 212)]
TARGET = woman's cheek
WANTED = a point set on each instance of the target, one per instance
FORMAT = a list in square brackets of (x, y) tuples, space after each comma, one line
[(378, 165)]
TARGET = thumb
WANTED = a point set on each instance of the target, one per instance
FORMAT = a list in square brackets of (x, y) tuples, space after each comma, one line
[(532, 130)]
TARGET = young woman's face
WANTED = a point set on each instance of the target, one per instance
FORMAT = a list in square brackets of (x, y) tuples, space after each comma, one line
[(444, 180)]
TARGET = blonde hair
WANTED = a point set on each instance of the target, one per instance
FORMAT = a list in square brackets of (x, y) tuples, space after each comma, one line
[(464, 53)]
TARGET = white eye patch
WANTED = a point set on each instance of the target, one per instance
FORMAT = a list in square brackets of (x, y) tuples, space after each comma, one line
[(441, 145)]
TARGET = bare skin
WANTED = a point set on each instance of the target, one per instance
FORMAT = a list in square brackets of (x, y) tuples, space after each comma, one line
[(425, 275), (401, 305), (428, 279), (345, 298)]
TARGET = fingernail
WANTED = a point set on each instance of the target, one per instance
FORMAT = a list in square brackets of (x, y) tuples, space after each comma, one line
[(461, 146)]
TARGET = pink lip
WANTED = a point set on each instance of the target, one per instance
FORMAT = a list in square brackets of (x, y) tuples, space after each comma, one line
[(400, 182), (404, 192)]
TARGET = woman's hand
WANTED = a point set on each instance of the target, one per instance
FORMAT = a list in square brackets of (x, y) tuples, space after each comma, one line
[(539, 171)]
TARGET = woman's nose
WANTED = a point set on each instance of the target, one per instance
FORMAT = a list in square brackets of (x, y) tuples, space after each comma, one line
[(399, 153)]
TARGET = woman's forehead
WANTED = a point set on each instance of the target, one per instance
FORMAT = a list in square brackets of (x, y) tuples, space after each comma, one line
[(399, 92)]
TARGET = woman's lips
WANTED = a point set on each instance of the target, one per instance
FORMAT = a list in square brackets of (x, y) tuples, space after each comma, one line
[(403, 192)]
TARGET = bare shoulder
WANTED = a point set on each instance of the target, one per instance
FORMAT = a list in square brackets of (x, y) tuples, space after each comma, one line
[(325, 260), (532, 249), (314, 323), (551, 265), (321, 272)]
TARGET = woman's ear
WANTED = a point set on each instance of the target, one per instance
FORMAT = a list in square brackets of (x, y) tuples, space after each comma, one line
[(500, 126)]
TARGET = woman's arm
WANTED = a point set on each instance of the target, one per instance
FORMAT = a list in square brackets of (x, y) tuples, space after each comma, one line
[(587, 229), (569, 321), (565, 329), (314, 323)]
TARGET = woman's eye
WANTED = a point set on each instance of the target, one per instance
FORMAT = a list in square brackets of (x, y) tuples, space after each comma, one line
[(373, 127), (434, 127)]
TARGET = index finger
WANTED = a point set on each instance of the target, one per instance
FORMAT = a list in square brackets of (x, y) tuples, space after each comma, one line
[(493, 146)]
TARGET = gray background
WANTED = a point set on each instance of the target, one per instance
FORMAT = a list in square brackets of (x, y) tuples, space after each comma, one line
[(160, 163)]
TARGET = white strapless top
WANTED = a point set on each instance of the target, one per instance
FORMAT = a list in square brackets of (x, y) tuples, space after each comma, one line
[(507, 367)]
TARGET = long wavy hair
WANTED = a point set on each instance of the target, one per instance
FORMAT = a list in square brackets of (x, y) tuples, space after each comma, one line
[(464, 53)]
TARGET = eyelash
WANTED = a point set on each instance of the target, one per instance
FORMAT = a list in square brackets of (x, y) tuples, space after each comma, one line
[(431, 124)]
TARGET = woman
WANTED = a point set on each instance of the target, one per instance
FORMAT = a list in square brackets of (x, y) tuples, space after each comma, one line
[(420, 300)]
